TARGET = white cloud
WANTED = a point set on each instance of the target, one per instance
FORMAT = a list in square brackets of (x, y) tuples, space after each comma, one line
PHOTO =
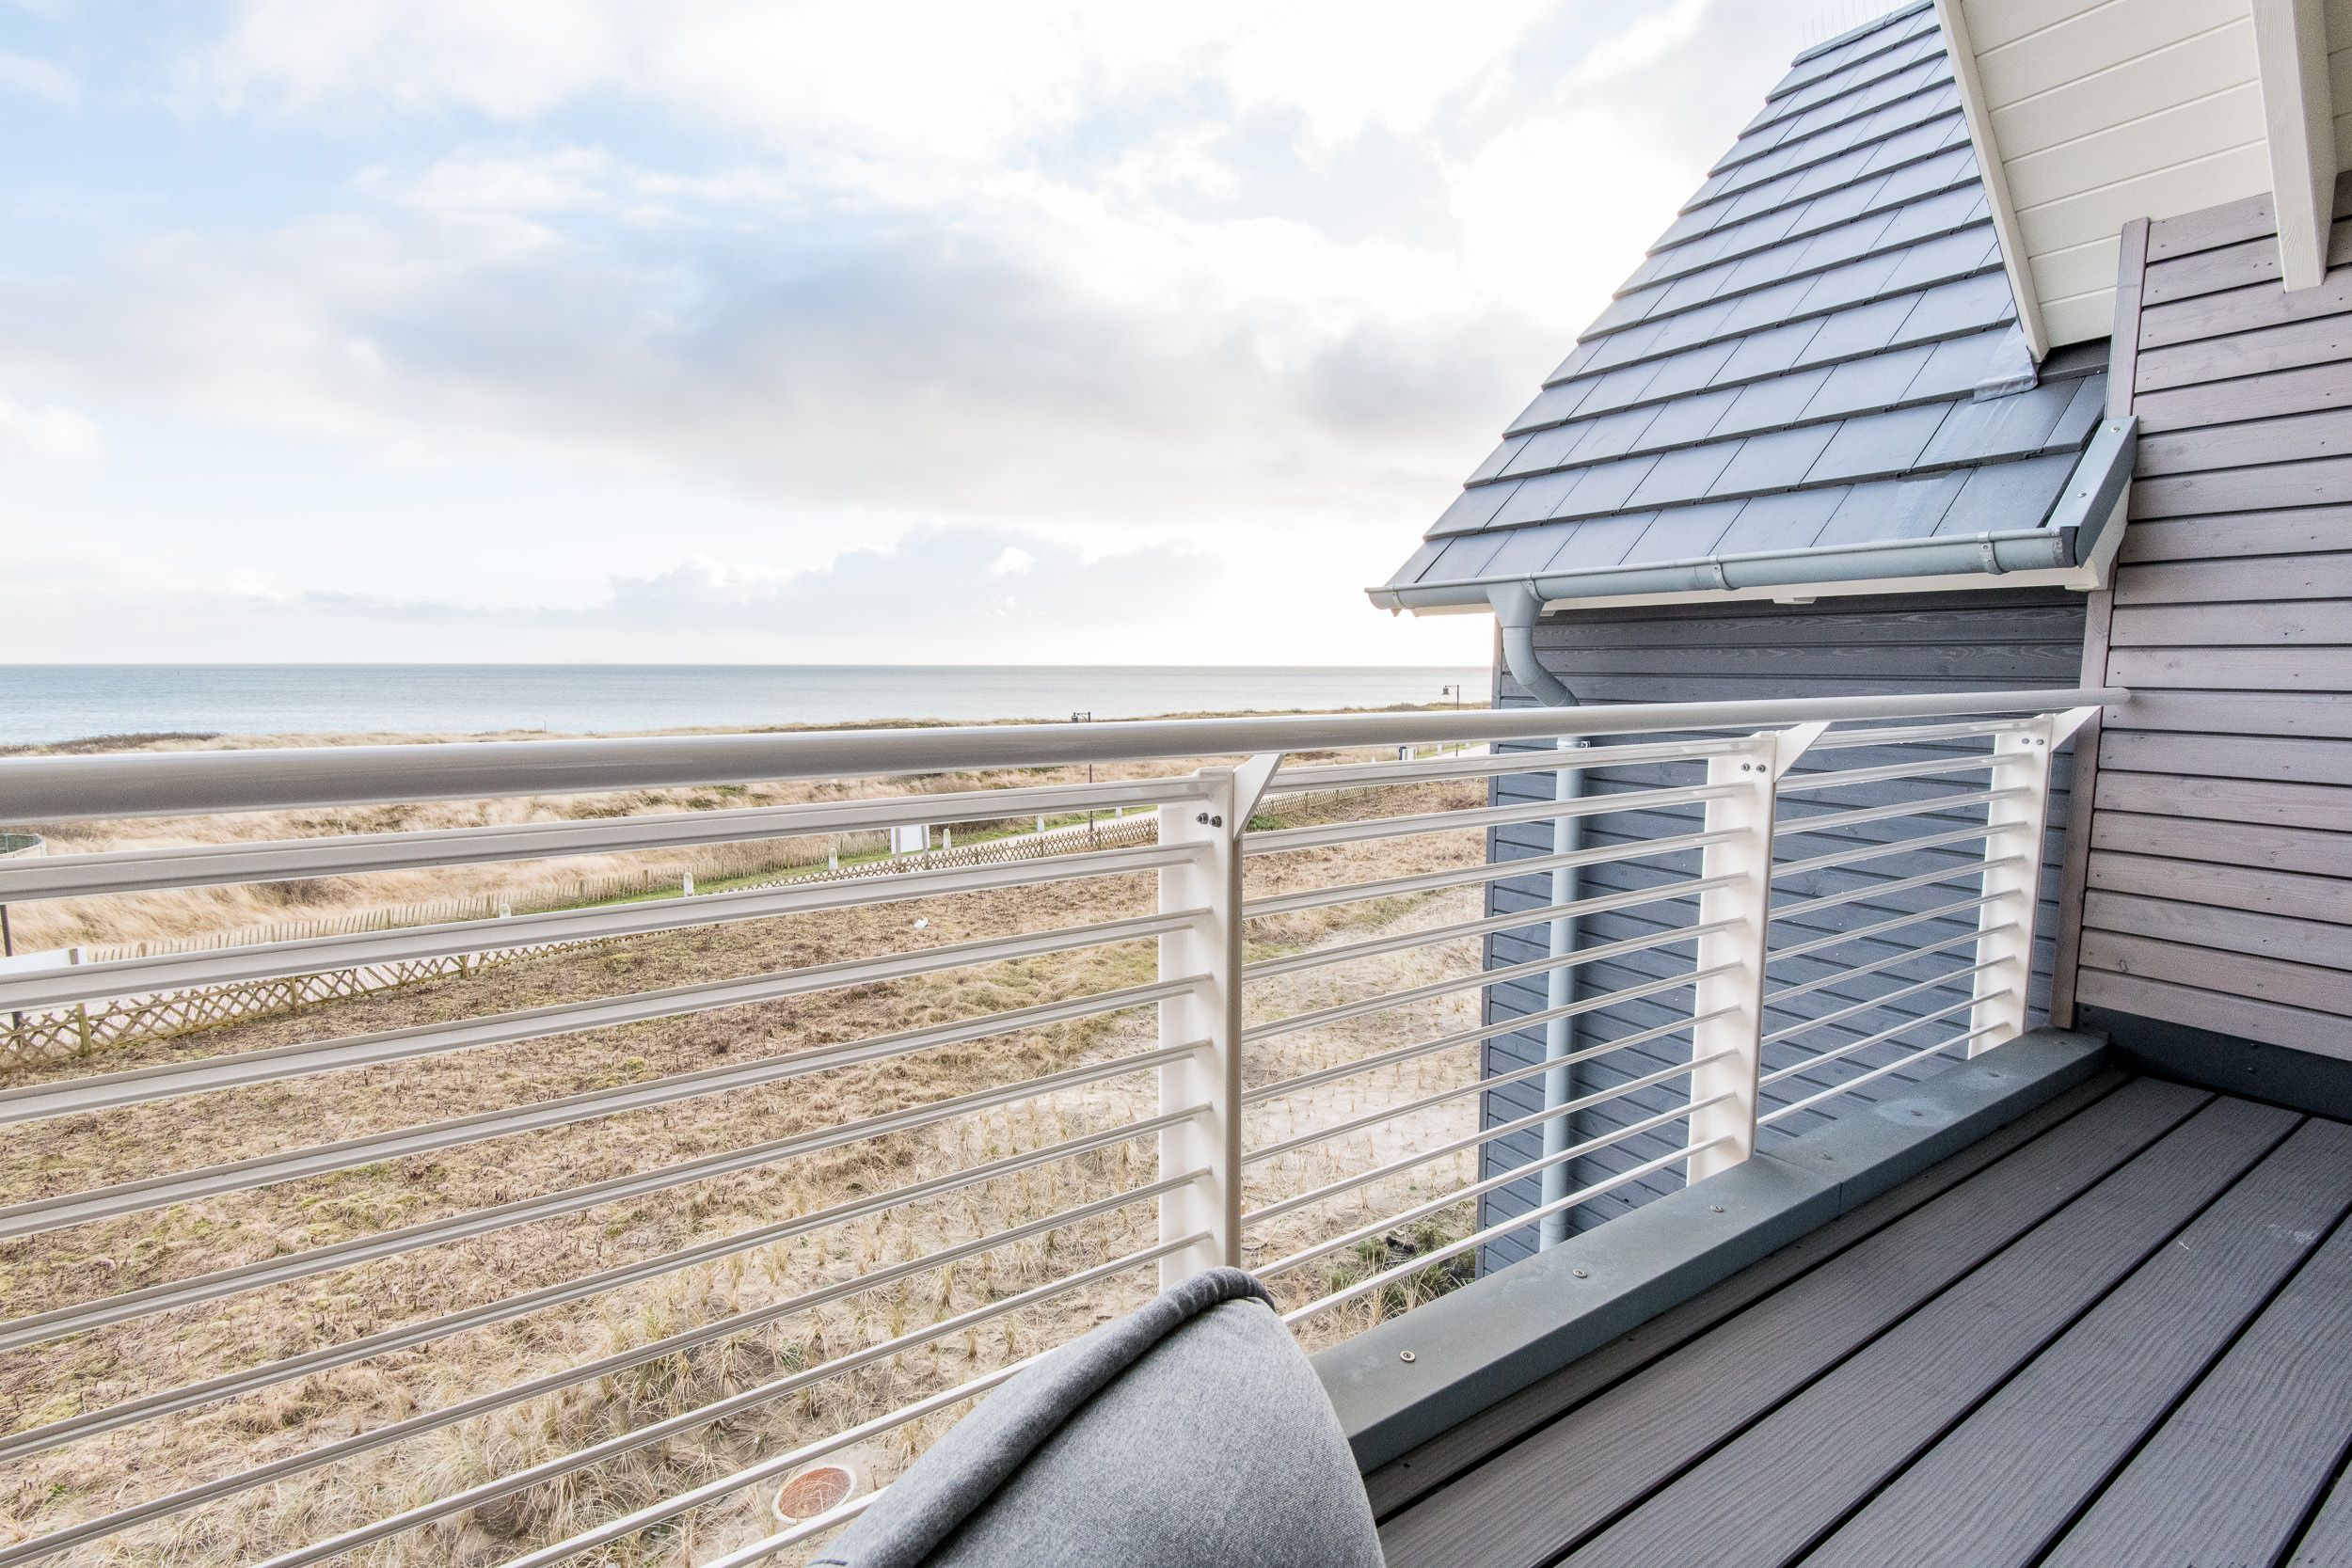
[(33, 77), (50, 434)]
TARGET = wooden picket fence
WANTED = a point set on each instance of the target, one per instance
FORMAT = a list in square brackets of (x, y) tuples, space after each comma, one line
[(27, 1040)]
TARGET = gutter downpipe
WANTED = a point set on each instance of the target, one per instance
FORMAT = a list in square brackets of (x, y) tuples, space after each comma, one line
[(1516, 609)]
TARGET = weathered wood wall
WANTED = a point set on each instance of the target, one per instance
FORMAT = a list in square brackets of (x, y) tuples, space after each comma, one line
[(1837, 647), (2215, 876)]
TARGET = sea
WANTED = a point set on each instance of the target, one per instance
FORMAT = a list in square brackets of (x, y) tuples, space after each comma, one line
[(43, 703)]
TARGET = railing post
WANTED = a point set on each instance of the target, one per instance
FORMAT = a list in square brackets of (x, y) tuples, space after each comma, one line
[(1211, 1013), (1728, 1006), (2018, 820)]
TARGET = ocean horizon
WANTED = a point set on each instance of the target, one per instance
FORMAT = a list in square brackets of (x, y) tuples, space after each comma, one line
[(45, 703)]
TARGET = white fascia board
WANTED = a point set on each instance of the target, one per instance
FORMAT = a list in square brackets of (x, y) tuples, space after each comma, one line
[(1952, 16)]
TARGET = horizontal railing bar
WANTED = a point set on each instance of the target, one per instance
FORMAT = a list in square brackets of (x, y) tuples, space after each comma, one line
[(1847, 778), (1881, 890), (1422, 1157), (230, 1385), (56, 988), (165, 1081), (1860, 1079), (1864, 933), (1486, 1032), (54, 1213), (1283, 841), (1479, 1086), (792, 1535), (1879, 849), (286, 1267), (180, 1502), (1485, 871), (1845, 741), (1555, 760), (1856, 971), (1478, 1239), (118, 871), (1831, 821), (1318, 1016), (1476, 1189), (1870, 1005), (1853, 1048), (180, 784), (1320, 958)]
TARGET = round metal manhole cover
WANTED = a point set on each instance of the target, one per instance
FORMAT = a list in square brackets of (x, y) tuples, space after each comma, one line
[(818, 1489)]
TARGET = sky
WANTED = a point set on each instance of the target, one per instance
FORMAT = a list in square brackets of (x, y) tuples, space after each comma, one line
[(802, 331)]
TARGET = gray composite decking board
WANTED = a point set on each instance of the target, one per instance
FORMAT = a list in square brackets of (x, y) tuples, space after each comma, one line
[(2235, 1470), (1415, 1475), (2327, 1544), (1859, 1424), (1997, 1488), (1572, 1476)]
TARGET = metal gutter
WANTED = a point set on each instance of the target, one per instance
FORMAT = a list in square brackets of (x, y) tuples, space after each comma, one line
[(2067, 538)]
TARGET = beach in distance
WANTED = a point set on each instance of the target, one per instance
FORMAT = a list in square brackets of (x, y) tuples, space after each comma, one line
[(45, 703)]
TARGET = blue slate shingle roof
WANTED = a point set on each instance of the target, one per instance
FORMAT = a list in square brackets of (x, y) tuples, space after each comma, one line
[(1796, 365)]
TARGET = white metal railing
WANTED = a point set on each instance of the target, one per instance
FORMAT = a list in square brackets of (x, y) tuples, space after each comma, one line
[(1769, 939)]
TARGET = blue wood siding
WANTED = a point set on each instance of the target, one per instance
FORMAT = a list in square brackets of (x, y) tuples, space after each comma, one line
[(2026, 638)]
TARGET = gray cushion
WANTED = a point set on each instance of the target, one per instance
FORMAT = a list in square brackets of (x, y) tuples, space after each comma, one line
[(1190, 1432)]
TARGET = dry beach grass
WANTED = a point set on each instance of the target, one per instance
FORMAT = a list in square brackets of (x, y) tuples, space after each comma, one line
[(753, 1286)]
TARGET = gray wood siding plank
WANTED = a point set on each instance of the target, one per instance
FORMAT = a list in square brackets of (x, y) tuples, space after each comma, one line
[(2279, 892), (2303, 941), (2310, 340), (1861, 1423), (2293, 984), (2286, 715), (2227, 800), (2243, 309), (1995, 1490), (2257, 396), (2297, 1028), (2237, 266), (2312, 480), (1414, 1475), (2233, 1475), (2229, 224), (2304, 531), (2302, 850), (2230, 757), (2236, 446), (1555, 1486), (2261, 580), (2289, 623)]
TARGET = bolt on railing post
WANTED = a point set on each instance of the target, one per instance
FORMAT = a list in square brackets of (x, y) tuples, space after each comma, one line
[(1210, 1014), (2012, 893), (1727, 1037)]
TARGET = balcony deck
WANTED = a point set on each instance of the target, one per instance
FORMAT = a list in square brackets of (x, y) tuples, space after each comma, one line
[(2112, 1333)]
